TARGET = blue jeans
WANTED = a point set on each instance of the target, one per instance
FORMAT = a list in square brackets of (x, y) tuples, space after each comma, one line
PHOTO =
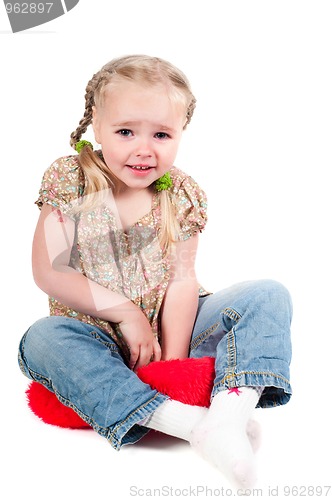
[(245, 327)]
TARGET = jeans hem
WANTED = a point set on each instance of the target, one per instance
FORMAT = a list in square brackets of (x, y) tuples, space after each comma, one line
[(128, 431), (277, 389)]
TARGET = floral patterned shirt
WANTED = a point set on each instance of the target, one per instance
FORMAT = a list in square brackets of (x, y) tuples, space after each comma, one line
[(128, 262)]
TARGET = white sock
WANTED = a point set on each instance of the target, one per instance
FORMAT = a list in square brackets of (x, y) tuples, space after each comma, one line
[(175, 418), (254, 434), (178, 420), (221, 437)]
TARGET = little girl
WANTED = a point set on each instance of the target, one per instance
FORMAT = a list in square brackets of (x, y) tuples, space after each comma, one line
[(114, 249)]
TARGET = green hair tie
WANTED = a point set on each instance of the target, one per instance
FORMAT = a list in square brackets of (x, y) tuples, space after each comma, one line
[(164, 182), (81, 144)]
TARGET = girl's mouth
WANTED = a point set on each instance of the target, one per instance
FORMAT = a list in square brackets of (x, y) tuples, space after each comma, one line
[(140, 169)]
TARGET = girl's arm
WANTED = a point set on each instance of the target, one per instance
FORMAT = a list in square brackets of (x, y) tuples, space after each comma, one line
[(180, 301), (52, 245)]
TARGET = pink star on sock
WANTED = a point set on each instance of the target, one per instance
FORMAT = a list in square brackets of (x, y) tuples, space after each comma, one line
[(236, 390)]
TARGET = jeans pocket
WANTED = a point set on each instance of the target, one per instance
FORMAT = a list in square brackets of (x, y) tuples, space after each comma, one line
[(206, 341), (109, 343)]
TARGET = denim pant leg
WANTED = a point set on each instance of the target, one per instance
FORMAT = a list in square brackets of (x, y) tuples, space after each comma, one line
[(83, 366), (247, 329)]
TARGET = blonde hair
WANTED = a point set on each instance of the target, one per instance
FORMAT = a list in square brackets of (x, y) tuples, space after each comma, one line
[(140, 69)]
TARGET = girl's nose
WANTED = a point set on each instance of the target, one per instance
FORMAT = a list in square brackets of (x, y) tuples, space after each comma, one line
[(143, 148)]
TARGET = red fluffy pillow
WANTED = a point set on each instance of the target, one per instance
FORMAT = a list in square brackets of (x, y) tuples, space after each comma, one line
[(187, 380), (46, 406)]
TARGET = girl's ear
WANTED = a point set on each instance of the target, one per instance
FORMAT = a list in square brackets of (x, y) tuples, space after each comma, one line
[(96, 124)]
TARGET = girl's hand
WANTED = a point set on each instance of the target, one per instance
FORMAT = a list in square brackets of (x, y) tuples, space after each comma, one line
[(143, 346)]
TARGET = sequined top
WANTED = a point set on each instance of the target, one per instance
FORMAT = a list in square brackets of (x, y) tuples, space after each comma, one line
[(129, 262)]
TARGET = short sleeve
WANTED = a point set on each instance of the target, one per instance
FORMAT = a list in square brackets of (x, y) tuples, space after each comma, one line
[(62, 184), (190, 203)]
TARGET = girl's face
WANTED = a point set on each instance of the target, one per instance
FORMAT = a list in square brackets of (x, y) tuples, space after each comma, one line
[(139, 129)]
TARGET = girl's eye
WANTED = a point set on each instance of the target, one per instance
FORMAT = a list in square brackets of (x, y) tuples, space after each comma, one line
[(124, 132), (162, 135)]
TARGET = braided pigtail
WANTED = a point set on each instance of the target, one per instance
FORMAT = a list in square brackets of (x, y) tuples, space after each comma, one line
[(98, 177), (94, 85), (85, 121), (190, 111)]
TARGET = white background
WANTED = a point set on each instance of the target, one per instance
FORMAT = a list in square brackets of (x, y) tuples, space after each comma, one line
[(260, 146)]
